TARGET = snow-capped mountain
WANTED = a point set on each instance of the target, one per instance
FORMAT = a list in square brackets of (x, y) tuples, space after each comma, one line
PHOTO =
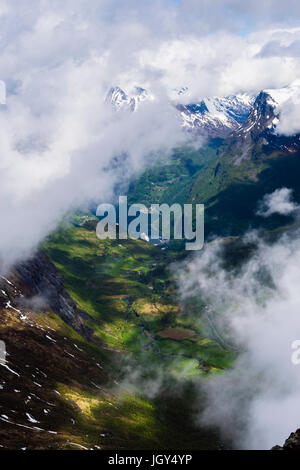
[(265, 112), (217, 116), (262, 125), (119, 99), (239, 115), (261, 116)]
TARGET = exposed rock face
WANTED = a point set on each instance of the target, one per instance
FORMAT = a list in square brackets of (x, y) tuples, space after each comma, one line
[(261, 116), (217, 116), (292, 443), (41, 364), (260, 126), (42, 277)]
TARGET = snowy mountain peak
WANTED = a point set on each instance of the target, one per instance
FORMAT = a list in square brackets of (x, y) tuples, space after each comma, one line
[(217, 116), (119, 99), (267, 108)]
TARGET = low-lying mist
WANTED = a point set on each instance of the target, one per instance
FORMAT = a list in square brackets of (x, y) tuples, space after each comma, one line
[(251, 289)]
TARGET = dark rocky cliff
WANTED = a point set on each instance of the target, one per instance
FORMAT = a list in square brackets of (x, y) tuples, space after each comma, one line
[(292, 443), (43, 279)]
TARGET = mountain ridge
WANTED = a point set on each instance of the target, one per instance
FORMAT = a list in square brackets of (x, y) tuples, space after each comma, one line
[(217, 117)]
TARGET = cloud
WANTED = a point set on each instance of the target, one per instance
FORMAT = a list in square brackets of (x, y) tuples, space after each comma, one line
[(277, 49), (278, 202), (220, 64), (36, 303), (289, 117), (60, 142), (255, 305)]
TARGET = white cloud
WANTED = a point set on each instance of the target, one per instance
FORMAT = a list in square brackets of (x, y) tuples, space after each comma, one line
[(278, 202), (289, 120), (222, 63), (257, 402), (59, 140)]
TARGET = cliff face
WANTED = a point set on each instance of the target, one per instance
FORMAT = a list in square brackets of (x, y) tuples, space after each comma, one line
[(292, 443), (42, 278)]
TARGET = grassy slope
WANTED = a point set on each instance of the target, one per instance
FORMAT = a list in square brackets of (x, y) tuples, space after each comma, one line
[(171, 180), (230, 191), (52, 368), (127, 289), (82, 407)]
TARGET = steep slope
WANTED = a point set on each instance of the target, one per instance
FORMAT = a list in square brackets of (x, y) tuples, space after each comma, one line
[(262, 125), (46, 368), (252, 161), (61, 359), (217, 117), (291, 443)]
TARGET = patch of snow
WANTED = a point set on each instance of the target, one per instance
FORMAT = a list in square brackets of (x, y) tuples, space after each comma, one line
[(50, 339), (7, 281), (10, 370), (31, 418), (144, 237), (8, 305)]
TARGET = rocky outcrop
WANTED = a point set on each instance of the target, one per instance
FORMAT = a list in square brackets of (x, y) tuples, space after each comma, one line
[(260, 128), (43, 279), (292, 443)]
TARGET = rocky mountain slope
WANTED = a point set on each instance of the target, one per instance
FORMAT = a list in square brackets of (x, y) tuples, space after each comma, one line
[(48, 373), (216, 117), (69, 364), (261, 127), (243, 116), (291, 443)]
